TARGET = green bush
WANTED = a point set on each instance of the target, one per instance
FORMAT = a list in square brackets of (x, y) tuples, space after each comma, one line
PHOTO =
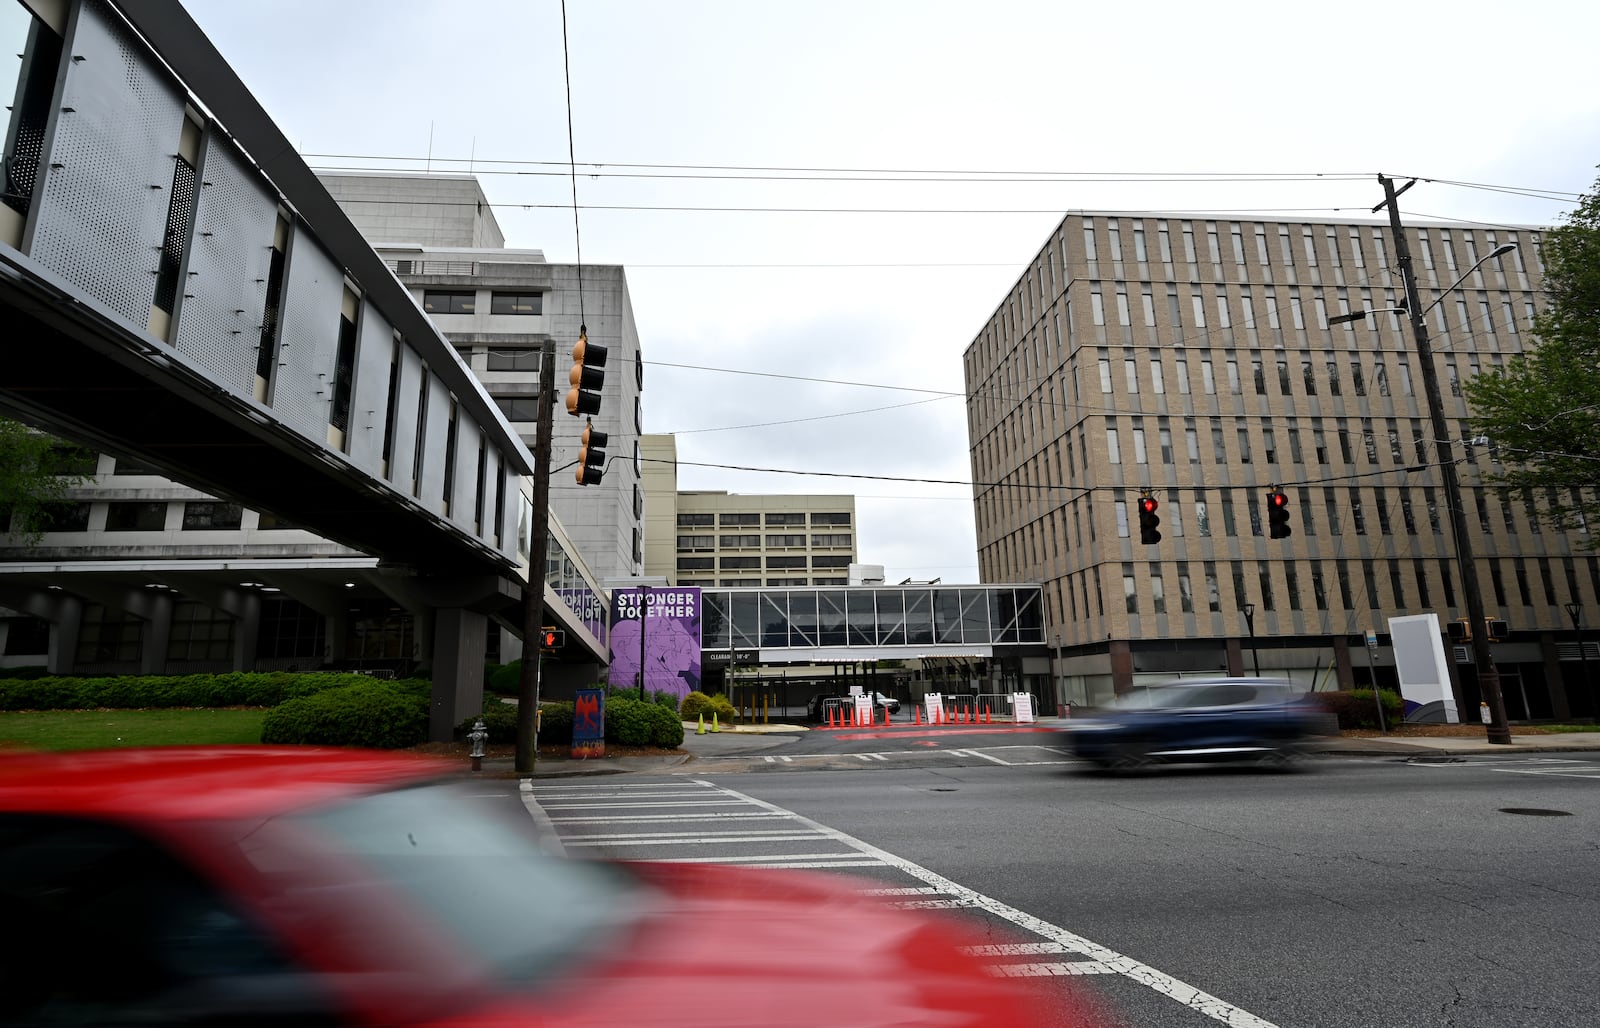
[(665, 698), (375, 714), (693, 705), (632, 723), (506, 679), (143, 692), (500, 720), (1355, 708), (555, 722), (723, 708), (26, 671)]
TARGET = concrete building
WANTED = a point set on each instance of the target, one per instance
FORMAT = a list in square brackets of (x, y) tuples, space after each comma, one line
[(498, 306), (733, 539), (1192, 359)]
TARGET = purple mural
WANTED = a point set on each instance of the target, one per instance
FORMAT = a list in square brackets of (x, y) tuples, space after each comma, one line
[(671, 639)]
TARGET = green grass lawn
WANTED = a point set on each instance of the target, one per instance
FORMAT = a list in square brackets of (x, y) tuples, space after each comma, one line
[(97, 729)]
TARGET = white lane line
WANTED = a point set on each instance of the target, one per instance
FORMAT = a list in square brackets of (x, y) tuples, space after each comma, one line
[(1016, 949), (1552, 773), (787, 760), (817, 864), (934, 904), (915, 890), (623, 806), (712, 815), (831, 859), (1117, 963), (985, 756), (770, 760), (1050, 970)]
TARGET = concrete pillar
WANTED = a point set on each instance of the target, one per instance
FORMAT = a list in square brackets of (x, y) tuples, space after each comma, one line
[(1121, 666), (246, 631), (64, 625), (1341, 661), (458, 636), (1235, 658), (1555, 682), (157, 634)]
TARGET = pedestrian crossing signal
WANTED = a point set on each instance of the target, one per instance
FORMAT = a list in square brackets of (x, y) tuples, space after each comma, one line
[(552, 639)]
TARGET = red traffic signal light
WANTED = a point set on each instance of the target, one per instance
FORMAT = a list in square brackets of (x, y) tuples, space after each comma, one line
[(592, 456), (587, 376), (1148, 521), (552, 639), (1278, 515)]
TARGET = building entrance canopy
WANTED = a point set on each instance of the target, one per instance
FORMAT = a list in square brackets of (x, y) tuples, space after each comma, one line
[(859, 623)]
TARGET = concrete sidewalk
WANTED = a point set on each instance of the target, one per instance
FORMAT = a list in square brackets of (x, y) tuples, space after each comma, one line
[(1461, 746)]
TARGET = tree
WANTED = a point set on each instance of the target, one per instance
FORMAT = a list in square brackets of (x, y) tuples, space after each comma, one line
[(36, 470), (1541, 412)]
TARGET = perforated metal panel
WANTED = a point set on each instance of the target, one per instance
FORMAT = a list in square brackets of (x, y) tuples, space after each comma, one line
[(103, 202), (369, 395), (405, 426), (466, 483), (219, 321), (313, 295), (435, 432)]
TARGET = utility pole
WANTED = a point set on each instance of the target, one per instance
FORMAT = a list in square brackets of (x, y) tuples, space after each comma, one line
[(533, 596), (1488, 676)]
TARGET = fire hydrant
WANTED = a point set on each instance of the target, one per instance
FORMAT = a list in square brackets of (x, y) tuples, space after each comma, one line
[(478, 736)]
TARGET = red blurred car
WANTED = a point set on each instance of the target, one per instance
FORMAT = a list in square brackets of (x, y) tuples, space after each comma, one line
[(277, 886)]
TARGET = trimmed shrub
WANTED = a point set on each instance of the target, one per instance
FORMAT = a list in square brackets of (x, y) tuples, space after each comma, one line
[(143, 692), (500, 719), (26, 671), (505, 680), (374, 714), (665, 698), (555, 722), (1355, 708), (631, 723), (724, 709), (693, 705)]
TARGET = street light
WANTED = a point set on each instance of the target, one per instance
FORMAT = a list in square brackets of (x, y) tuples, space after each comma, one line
[(1249, 612), (1498, 730), (1574, 610)]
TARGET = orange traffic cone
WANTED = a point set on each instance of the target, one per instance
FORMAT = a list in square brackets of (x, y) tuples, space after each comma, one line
[(986, 719), (918, 711)]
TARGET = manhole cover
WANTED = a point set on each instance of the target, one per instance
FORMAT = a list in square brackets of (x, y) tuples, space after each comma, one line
[(1535, 812)]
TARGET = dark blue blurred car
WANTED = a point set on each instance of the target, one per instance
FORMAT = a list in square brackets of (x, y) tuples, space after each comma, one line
[(1198, 719)]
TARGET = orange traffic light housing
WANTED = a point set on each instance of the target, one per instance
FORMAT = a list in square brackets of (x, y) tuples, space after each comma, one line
[(591, 456), (587, 376)]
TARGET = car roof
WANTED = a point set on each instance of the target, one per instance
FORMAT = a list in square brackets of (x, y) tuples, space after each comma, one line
[(1235, 680), (201, 782)]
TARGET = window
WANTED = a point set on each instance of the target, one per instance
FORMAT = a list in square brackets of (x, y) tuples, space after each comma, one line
[(694, 520), (785, 542), (739, 563), (739, 520), (823, 561), (211, 515), (1121, 508), (739, 542), (831, 518), (513, 360), (199, 633), (697, 542), (449, 301), (831, 539), (696, 563), (136, 516), (798, 561), (518, 408), (786, 518), (515, 303)]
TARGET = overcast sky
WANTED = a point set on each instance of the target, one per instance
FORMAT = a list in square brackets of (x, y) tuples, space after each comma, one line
[(871, 284)]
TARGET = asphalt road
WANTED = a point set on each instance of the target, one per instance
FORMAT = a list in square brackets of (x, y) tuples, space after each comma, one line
[(1358, 893)]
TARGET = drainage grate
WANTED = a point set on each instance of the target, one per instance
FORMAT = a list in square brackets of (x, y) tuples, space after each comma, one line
[(1535, 812)]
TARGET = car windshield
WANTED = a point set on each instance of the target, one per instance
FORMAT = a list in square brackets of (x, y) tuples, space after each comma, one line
[(483, 876)]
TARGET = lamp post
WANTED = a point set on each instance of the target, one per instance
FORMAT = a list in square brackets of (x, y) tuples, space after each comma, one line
[(1575, 611), (1488, 677), (1249, 612)]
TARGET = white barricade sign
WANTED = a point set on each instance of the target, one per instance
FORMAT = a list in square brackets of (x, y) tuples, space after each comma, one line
[(933, 703), (1022, 707), (863, 709)]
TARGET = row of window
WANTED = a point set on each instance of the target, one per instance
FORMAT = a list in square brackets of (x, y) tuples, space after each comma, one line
[(771, 519), (1359, 584), (1136, 443), (754, 563), (465, 301), (147, 516), (1358, 511), (832, 540), (747, 583)]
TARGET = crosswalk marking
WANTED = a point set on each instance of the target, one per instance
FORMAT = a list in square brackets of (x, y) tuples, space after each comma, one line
[(588, 806)]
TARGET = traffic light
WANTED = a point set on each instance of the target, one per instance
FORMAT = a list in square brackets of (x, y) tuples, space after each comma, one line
[(592, 456), (587, 376), (552, 639), (1498, 630), (1460, 630), (1278, 515), (1148, 521)]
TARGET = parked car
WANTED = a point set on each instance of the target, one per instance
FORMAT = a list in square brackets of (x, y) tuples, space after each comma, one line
[(289, 886), (1197, 719)]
